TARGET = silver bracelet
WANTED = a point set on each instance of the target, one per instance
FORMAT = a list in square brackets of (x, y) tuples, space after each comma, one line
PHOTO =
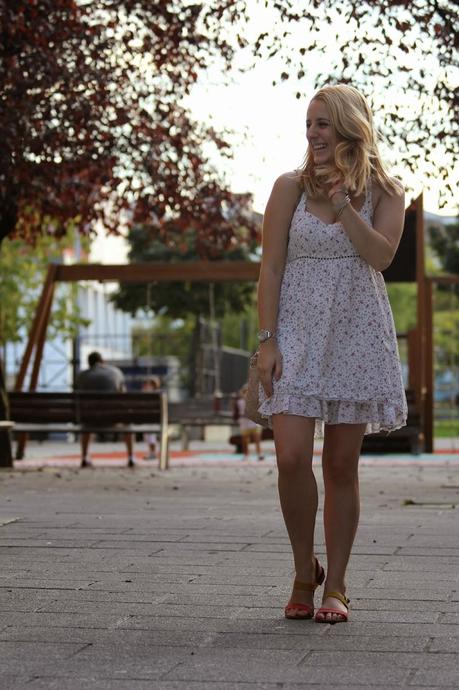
[(346, 202)]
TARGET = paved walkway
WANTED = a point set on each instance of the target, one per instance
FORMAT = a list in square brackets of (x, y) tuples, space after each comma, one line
[(120, 579)]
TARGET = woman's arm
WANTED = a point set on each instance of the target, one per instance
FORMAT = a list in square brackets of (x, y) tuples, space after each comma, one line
[(377, 244), (276, 223)]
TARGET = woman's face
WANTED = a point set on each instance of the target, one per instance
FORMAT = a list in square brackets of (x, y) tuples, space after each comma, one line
[(320, 133)]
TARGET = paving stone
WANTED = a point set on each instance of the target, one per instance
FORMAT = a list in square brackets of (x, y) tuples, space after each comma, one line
[(113, 684), (46, 542), (318, 642), (440, 678), (279, 666), (217, 624), (84, 636), (442, 552), (435, 630), (380, 659), (65, 620), (442, 644), (93, 661), (14, 681), (30, 657), (400, 593), (395, 616), (37, 584), (450, 618)]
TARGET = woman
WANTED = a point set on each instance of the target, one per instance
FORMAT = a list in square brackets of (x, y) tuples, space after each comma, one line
[(328, 351)]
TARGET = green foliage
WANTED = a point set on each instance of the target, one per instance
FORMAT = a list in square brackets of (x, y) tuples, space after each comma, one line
[(179, 300), (164, 337), (445, 243), (446, 330), (446, 428), (22, 273), (167, 337), (184, 300), (402, 297), (239, 329)]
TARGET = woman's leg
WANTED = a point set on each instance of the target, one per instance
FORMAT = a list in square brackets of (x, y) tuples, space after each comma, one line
[(294, 441), (84, 440), (256, 439), (245, 444), (340, 459)]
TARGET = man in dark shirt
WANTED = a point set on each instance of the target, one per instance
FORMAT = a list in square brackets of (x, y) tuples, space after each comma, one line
[(101, 377)]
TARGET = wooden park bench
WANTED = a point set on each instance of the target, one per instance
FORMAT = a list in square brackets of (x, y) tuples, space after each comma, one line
[(78, 411)]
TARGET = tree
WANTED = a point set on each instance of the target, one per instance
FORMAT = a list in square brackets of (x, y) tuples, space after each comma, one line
[(445, 243), (402, 55), (22, 273), (187, 301), (92, 119), (94, 132)]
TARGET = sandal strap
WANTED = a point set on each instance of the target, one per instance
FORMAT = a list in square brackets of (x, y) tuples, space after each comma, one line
[(337, 595), (305, 586)]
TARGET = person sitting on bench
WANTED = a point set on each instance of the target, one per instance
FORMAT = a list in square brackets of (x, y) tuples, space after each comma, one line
[(101, 377)]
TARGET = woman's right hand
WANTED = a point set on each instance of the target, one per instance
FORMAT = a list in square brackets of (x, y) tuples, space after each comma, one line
[(269, 364)]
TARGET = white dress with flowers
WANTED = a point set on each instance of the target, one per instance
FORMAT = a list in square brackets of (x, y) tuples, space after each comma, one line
[(336, 332)]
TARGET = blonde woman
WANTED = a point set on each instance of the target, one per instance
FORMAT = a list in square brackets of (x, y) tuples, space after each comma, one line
[(328, 351)]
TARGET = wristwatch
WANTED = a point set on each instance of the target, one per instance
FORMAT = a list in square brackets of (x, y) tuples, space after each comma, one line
[(264, 335)]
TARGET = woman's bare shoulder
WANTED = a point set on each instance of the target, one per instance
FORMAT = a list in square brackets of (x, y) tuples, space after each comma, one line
[(377, 186), (379, 193), (289, 184)]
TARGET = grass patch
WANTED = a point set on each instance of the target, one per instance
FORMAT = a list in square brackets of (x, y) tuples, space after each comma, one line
[(445, 428)]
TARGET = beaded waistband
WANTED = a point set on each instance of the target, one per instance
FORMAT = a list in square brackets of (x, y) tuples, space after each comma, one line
[(324, 258)]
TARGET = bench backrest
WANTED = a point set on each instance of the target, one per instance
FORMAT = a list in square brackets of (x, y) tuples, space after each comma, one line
[(42, 408), (119, 408), (89, 408)]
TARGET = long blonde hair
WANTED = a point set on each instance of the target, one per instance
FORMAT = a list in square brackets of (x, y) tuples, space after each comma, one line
[(357, 158)]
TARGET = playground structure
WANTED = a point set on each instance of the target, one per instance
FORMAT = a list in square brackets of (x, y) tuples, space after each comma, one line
[(407, 266)]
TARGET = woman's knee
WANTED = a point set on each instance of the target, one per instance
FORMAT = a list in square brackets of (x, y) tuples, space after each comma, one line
[(294, 441), (340, 468), (292, 461)]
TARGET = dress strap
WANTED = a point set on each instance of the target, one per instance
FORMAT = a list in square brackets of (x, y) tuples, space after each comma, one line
[(369, 198), (304, 199)]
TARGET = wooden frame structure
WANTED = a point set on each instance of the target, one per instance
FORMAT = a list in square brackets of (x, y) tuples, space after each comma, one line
[(408, 266)]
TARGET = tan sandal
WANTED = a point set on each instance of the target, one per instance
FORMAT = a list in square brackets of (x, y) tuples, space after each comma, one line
[(343, 615), (298, 611)]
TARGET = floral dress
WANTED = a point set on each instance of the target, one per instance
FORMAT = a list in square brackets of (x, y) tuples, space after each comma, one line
[(335, 331)]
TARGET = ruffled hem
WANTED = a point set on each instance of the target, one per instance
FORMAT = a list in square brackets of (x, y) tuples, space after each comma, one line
[(379, 415)]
